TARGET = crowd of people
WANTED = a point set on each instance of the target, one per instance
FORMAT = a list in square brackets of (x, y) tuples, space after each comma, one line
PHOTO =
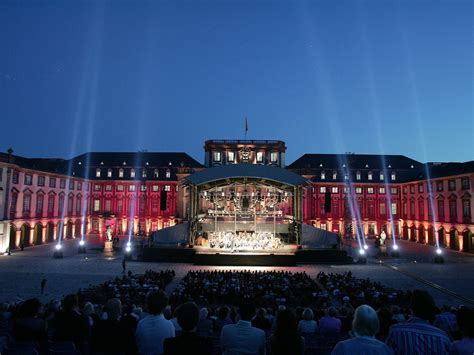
[(237, 312), (244, 241)]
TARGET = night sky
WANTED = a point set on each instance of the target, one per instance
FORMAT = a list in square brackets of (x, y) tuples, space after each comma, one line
[(394, 77)]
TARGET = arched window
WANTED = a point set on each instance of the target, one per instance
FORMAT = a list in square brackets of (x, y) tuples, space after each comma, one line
[(97, 172), (132, 173), (109, 173), (120, 173)]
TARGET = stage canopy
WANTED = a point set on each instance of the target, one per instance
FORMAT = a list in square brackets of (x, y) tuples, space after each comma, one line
[(231, 172)]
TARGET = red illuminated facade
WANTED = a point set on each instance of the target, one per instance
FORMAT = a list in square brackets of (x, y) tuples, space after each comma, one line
[(138, 193)]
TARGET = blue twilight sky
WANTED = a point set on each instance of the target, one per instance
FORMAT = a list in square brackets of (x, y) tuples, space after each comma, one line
[(381, 76)]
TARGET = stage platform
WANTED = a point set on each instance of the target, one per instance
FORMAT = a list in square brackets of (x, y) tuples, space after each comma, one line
[(258, 258)]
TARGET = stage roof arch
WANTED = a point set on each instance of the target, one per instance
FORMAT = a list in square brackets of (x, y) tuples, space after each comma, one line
[(234, 172)]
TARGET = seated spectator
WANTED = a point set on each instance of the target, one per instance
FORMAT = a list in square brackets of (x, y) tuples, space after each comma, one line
[(465, 322), (417, 335), (386, 321), (261, 321), (364, 327), (188, 342), (286, 340), (205, 324), (330, 325), (70, 325), (446, 320), (397, 315), (28, 328), (223, 318), (154, 329), (114, 328), (242, 337), (308, 325)]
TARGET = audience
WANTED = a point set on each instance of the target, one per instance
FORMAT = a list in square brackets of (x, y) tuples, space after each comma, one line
[(154, 329), (465, 323), (286, 340), (242, 338), (28, 328), (364, 328), (417, 335), (330, 324), (308, 325)]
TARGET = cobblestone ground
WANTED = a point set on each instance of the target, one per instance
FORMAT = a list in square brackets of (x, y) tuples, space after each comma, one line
[(22, 272)]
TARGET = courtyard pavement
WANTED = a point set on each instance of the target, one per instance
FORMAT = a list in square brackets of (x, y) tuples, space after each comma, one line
[(22, 272)]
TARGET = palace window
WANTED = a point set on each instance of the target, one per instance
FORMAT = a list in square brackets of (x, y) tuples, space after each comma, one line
[(96, 205), (78, 205), (108, 206), (405, 190), (394, 208), (144, 173), (466, 209), (79, 186), (393, 190), (216, 156), (323, 175), (132, 173), (50, 205), (52, 182), (71, 185), (322, 189), (155, 188), (370, 209), (142, 188), (370, 176), (120, 173), (465, 183), (441, 209), (334, 189), (108, 187), (358, 176), (370, 190), (412, 189), (231, 157), (70, 205), (412, 209), (168, 173), (96, 187), (334, 175), (382, 177), (41, 180), (259, 157), (109, 173), (167, 188), (347, 189), (119, 187), (382, 208), (156, 174), (15, 177), (119, 205), (39, 204), (28, 179), (154, 206), (421, 209), (439, 186), (358, 190), (61, 205), (420, 188), (62, 183), (393, 176), (346, 176), (381, 190), (273, 157), (405, 209), (131, 188), (97, 172), (26, 203)]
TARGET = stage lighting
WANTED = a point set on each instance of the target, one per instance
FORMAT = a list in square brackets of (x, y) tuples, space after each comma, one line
[(82, 247), (58, 247), (438, 259), (81, 243), (58, 253), (128, 249), (366, 247), (439, 251), (395, 253), (395, 247), (361, 251)]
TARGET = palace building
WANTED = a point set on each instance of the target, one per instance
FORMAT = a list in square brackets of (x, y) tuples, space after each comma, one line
[(243, 184)]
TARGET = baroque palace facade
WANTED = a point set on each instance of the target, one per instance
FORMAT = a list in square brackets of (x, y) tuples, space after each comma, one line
[(42, 200)]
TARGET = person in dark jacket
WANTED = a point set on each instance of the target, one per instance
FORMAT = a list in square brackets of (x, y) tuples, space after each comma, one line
[(188, 342)]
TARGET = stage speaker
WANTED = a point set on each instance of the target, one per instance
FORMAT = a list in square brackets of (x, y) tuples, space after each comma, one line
[(163, 200), (327, 201)]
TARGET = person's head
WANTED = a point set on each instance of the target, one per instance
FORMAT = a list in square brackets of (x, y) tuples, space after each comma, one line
[(223, 312), (465, 320), (30, 308), (113, 307), (332, 312), (203, 313), (188, 316), (308, 314), (88, 309), (286, 324), (423, 305), (156, 301), (366, 321), (247, 310), (70, 302)]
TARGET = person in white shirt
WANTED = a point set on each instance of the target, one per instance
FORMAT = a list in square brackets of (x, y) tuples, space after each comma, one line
[(242, 338), (155, 328), (308, 325), (365, 325)]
